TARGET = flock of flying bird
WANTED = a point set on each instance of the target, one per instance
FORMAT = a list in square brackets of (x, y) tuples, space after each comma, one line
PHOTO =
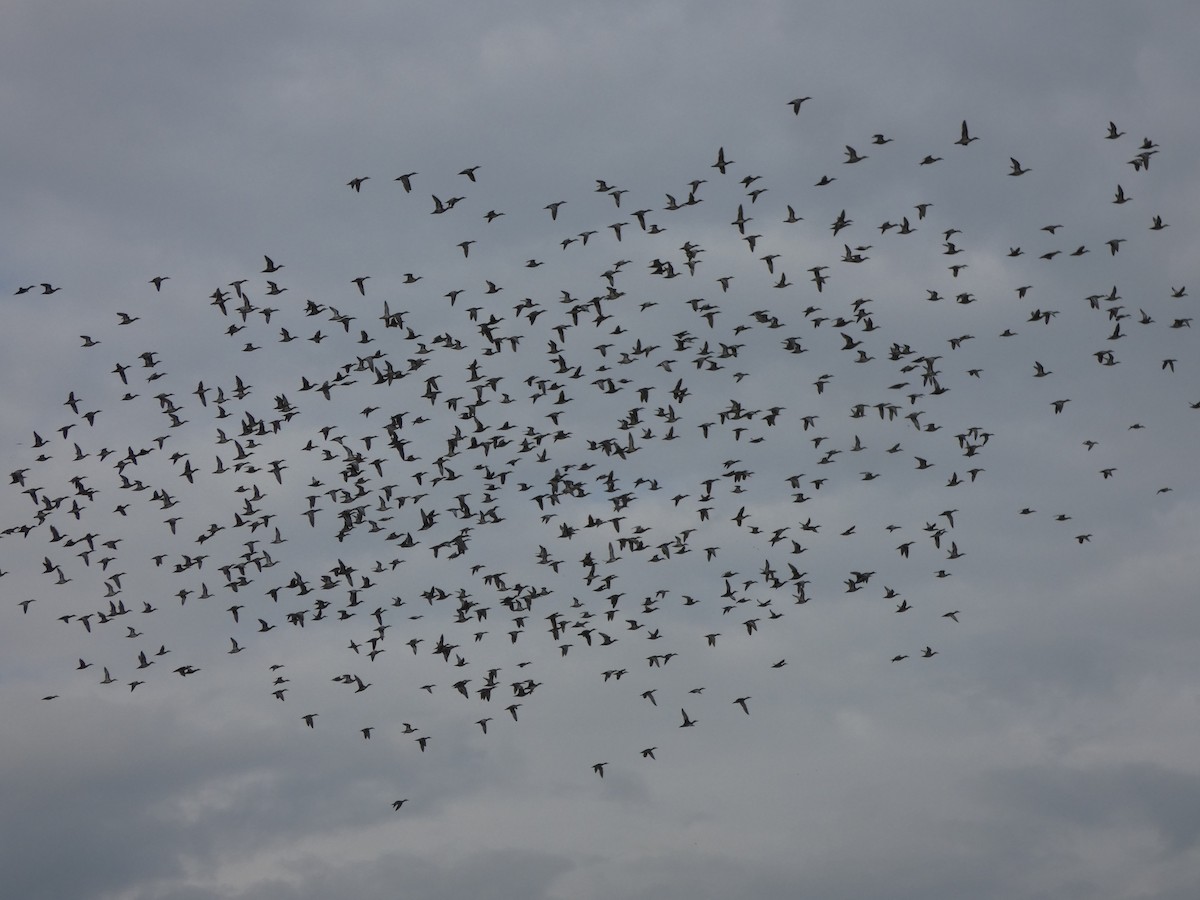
[(582, 459)]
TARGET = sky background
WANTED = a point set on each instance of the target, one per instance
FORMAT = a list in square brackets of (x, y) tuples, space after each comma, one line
[(1048, 749)]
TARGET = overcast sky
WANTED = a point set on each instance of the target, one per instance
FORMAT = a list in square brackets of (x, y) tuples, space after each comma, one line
[(911, 553)]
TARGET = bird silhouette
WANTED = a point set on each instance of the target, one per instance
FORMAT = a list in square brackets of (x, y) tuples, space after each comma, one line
[(521, 491)]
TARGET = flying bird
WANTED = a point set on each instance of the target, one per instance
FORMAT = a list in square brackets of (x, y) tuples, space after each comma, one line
[(518, 486)]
